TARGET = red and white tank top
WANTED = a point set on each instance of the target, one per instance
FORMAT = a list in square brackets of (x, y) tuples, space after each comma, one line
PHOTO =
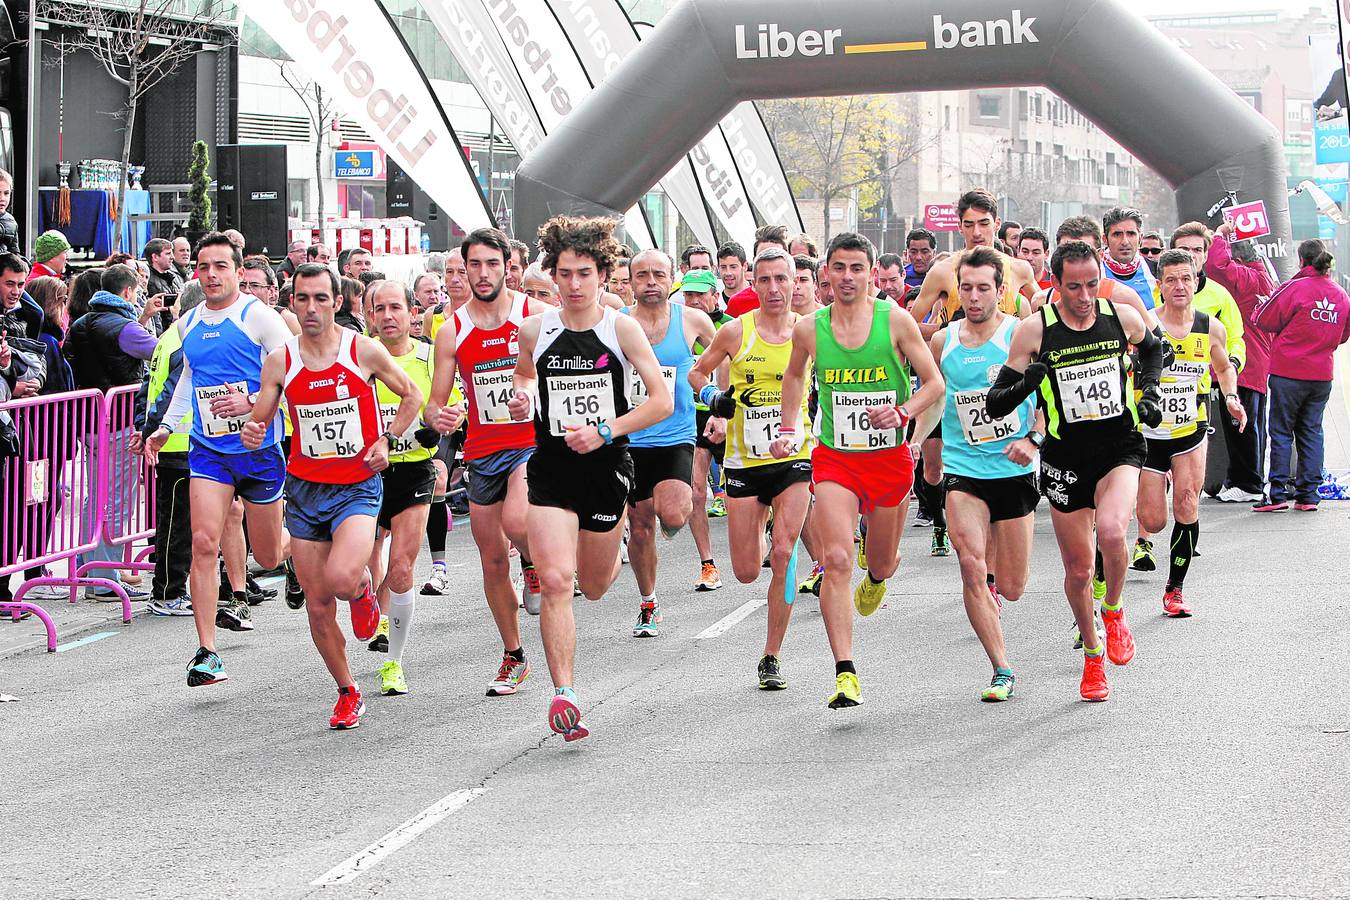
[(486, 360), (334, 415)]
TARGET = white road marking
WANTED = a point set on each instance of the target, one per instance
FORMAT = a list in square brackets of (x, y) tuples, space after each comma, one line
[(725, 624), (349, 869)]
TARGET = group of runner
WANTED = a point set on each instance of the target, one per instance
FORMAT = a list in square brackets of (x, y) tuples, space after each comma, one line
[(593, 393)]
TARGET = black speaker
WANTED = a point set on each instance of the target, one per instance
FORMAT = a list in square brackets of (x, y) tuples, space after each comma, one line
[(405, 198), (251, 195)]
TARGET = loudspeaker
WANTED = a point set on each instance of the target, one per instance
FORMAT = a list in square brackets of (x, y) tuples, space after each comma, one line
[(405, 198), (251, 195)]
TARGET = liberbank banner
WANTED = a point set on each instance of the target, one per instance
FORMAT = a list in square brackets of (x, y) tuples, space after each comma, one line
[(353, 50)]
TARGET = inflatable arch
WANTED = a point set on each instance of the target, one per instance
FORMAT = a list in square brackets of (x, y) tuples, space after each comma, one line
[(708, 55)]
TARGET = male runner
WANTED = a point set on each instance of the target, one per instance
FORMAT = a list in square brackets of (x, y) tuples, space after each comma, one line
[(757, 347), (515, 265), (863, 349), (621, 282), (1010, 233), (700, 289), (990, 485), (1034, 248), (408, 482), (731, 270), (920, 247), (662, 454), (339, 447), (889, 277), (456, 290), (581, 359), (1150, 248), (804, 303), (1121, 261), (539, 287), (224, 341), (740, 303), (1177, 444), (1093, 450), (481, 342)]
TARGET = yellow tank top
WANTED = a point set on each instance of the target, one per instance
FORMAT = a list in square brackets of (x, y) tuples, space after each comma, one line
[(757, 384), (1184, 385), (419, 364), (1009, 302)]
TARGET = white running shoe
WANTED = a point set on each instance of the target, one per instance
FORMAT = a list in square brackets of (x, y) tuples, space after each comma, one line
[(438, 585), (1237, 495)]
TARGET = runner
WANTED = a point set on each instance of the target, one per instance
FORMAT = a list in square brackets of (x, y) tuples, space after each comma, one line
[(990, 482), (1121, 262), (1093, 450), (700, 288), (1177, 445), (920, 247), (760, 485), (662, 454), (515, 265), (862, 351), (1034, 249), (581, 359), (408, 483), (804, 303), (456, 290), (621, 282), (481, 342), (224, 341), (339, 447), (539, 287)]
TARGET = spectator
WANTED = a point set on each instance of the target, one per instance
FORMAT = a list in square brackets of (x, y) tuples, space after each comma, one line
[(358, 261), (182, 257), (296, 253), (802, 245), (1249, 282), (52, 295), (261, 281), (1307, 318), (50, 255), (86, 285), (318, 253), (163, 277), (191, 296), (236, 238), (9, 228), (352, 289), (22, 314), (108, 348), (427, 291)]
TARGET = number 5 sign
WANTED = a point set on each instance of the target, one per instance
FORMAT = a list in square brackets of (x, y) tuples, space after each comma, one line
[(1248, 220)]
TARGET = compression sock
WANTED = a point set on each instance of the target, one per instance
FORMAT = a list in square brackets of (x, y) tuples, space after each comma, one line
[(1184, 539), (937, 503), (1101, 648), (438, 523), (844, 665), (401, 607), (1099, 566)]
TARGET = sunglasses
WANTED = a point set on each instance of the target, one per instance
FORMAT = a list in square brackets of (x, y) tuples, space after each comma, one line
[(1151, 251)]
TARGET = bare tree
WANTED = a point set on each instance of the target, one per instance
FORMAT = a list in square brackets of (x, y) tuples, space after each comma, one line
[(139, 44), (319, 107)]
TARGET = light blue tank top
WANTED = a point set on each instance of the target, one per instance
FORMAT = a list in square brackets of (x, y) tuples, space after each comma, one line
[(1141, 282), (676, 360), (223, 354), (972, 442)]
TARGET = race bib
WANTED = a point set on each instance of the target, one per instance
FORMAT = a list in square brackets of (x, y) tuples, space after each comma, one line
[(977, 425), (575, 401), (759, 426), (405, 442), (330, 430), (212, 424), (640, 394), (1179, 391), (1091, 391), (852, 429), (492, 391)]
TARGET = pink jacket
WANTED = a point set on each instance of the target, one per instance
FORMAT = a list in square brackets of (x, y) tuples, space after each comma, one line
[(1249, 283), (1308, 318)]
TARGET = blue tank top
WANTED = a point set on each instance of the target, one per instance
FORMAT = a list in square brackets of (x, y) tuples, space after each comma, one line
[(972, 442), (676, 359), (224, 351), (1141, 282)]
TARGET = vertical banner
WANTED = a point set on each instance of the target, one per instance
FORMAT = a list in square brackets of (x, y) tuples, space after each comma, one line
[(353, 50), (1331, 125), (760, 167)]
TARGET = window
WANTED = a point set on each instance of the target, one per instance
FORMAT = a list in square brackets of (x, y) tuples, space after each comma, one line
[(991, 106)]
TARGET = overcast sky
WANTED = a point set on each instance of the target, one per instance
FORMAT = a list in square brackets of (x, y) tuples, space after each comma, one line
[(1206, 7)]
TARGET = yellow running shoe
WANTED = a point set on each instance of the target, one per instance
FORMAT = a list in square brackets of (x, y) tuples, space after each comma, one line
[(862, 552), (847, 691), (391, 678), (868, 595), (379, 641)]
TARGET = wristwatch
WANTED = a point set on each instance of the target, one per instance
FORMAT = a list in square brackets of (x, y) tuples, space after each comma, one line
[(389, 438), (1037, 439), (606, 433)]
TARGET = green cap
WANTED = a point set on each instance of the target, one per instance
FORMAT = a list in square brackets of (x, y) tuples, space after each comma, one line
[(700, 281)]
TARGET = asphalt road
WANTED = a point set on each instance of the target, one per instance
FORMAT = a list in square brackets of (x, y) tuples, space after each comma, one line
[(1217, 768)]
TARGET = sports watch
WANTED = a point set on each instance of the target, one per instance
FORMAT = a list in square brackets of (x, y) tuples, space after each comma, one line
[(605, 432)]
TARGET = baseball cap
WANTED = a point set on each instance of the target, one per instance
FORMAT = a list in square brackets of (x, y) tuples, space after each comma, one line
[(700, 281)]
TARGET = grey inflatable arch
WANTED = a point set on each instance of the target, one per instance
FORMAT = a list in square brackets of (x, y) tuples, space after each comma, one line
[(708, 55)]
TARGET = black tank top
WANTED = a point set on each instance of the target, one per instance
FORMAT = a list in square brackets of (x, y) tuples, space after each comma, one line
[(1089, 394), (584, 379)]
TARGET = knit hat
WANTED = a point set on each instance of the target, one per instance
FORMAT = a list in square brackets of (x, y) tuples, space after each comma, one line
[(49, 244)]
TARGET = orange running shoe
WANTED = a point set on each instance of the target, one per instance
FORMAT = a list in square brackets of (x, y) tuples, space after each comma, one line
[(1093, 686), (1175, 605), (1119, 641), (347, 712)]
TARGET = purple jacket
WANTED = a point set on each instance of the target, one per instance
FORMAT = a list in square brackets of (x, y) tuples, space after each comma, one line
[(1250, 284), (1308, 317)]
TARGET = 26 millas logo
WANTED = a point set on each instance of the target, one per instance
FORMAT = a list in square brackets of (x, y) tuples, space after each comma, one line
[(1325, 311), (773, 42)]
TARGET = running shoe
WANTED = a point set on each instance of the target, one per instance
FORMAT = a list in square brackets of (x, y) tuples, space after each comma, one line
[(234, 615), (564, 717), (365, 613), (922, 519), (1303, 507), (768, 544), (942, 546), (1238, 495), (1078, 635), (255, 592), (998, 598), (510, 674), (347, 712), (438, 585), (1271, 506), (1175, 605), (868, 595), (1119, 640), (178, 606), (771, 674), (295, 597), (205, 668), (648, 617), (1142, 560), (1093, 686), (576, 587), (623, 549), (391, 678), (1000, 687), (862, 551), (102, 596), (718, 510), (532, 594), (380, 642), (811, 584), (847, 691), (708, 579)]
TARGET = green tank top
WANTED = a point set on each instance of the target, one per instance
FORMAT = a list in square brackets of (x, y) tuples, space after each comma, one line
[(851, 380), (420, 365), (718, 319)]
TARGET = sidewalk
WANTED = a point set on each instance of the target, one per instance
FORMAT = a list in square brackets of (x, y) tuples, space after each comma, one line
[(72, 620)]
